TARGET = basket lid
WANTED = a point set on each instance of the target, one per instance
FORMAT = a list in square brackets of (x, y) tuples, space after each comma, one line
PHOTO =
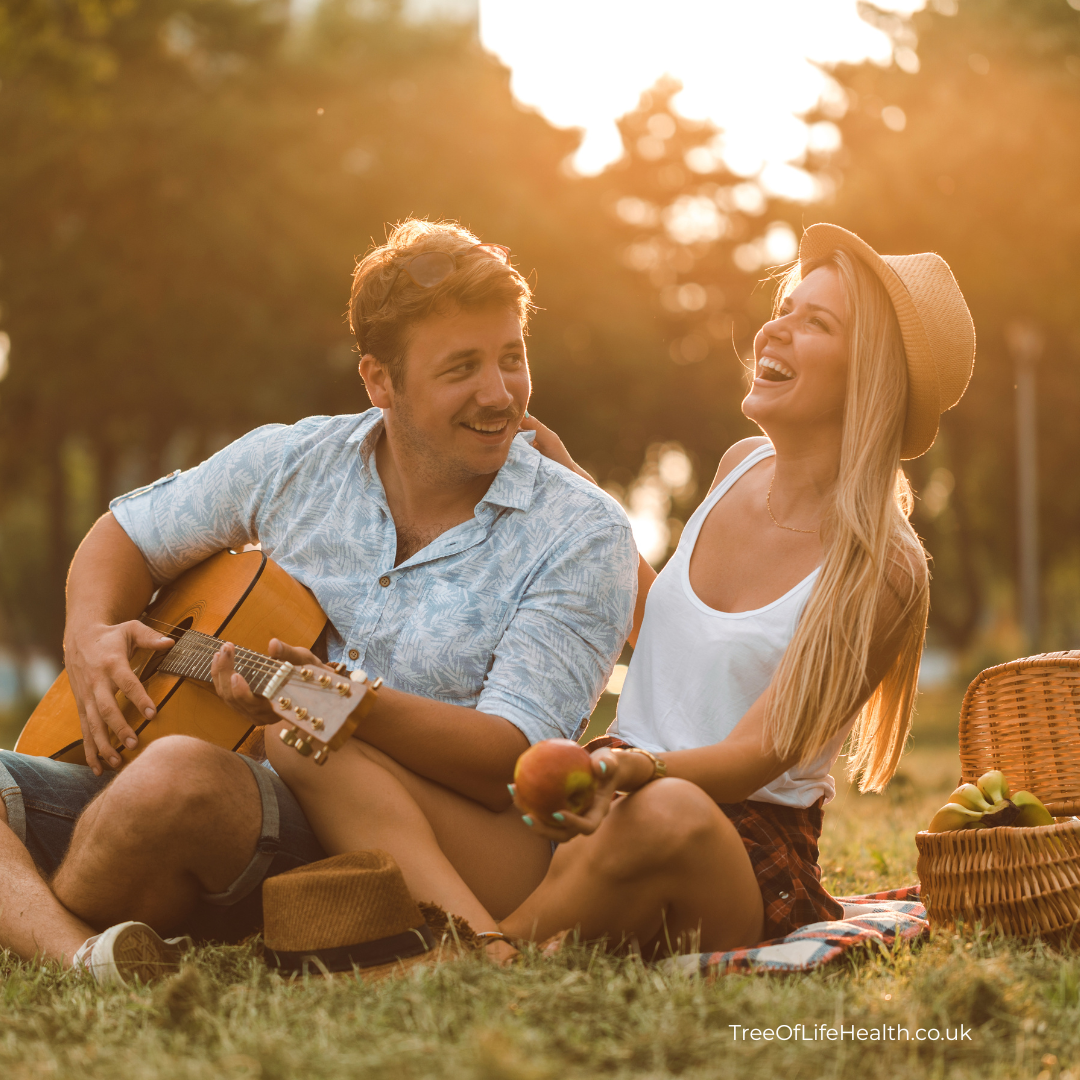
[(1023, 718)]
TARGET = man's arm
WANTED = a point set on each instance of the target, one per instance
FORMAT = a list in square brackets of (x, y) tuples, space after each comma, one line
[(150, 536), (468, 751), (108, 587)]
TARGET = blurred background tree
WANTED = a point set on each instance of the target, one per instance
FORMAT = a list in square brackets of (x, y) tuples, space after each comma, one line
[(185, 185)]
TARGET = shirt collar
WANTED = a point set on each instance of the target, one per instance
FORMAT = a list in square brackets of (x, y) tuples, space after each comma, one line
[(513, 483), (367, 434)]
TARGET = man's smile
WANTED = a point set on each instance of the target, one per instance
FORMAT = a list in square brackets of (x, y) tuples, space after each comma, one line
[(487, 430)]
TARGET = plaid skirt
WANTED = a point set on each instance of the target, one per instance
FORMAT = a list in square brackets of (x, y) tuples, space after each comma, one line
[(782, 843)]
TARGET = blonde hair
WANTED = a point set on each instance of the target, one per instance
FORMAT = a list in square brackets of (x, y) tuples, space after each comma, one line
[(873, 559)]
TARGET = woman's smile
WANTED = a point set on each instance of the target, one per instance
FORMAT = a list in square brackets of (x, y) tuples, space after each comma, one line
[(772, 370)]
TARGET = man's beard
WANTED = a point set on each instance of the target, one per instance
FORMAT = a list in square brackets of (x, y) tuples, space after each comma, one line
[(432, 464)]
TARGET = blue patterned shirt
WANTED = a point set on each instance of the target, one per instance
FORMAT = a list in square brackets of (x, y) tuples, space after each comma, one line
[(520, 612)]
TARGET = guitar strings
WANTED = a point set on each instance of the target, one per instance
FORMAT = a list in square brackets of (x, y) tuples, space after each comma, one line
[(199, 646), (202, 652), (198, 638)]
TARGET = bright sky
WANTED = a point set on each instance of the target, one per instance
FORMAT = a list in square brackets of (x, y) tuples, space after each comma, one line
[(748, 65)]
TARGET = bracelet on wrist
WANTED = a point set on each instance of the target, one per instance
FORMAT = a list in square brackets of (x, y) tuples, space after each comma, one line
[(659, 768)]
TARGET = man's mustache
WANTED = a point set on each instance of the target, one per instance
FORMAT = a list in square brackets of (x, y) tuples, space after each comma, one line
[(493, 417)]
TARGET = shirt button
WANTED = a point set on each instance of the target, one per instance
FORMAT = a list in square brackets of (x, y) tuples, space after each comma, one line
[(384, 581), (354, 654), (783, 896)]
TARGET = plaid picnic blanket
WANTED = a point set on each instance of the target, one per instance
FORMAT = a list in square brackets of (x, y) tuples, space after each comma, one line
[(882, 917)]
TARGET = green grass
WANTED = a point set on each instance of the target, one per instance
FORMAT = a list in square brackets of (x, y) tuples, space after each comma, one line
[(583, 1014)]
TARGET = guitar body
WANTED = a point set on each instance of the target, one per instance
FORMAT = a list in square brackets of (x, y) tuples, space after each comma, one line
[(241, 597)]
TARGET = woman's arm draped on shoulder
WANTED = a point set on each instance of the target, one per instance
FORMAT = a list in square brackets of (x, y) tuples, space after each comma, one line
[(734, 769)]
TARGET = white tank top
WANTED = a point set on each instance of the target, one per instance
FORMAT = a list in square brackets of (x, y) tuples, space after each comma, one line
[(696, 671)]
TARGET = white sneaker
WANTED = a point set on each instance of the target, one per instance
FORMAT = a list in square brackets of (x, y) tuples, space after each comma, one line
[(130, 951)]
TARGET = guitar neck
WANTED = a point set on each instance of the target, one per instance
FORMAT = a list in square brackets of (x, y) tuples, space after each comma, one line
[(193, 652)]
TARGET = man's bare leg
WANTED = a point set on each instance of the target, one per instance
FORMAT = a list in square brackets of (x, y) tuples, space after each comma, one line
[(182, 819), (33, 923), (666, 868)]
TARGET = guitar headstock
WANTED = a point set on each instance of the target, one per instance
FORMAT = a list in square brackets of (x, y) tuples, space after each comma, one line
[(322, 708)]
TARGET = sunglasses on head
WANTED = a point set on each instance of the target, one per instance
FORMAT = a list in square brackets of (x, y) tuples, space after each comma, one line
[(431, 268)]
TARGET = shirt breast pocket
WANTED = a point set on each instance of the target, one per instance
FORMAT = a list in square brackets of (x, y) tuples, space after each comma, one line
[(447, 647)]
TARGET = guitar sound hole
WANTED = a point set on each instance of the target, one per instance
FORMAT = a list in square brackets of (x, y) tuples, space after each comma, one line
[(155, 660)]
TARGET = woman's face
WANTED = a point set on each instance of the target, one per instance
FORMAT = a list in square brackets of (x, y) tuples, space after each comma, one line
[(801, 359)]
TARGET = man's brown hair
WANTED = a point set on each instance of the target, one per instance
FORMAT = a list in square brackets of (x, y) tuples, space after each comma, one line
[(386, 303)]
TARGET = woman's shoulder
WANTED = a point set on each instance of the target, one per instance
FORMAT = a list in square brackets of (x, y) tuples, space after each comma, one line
[(735, 455)]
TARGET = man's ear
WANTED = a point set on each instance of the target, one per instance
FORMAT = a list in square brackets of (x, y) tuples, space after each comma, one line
[(377, 382)]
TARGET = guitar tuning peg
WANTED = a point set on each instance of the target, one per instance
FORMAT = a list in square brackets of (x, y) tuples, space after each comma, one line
[(321, 756), (289, 736), (303, 747)]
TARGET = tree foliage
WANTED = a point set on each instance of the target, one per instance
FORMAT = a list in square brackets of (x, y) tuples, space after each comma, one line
[(185, 185)]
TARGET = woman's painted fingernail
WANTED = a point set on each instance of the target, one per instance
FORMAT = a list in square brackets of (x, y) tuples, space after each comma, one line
[(511, 789), (558, 817), (603, 768), (527, 820), (526, 414)]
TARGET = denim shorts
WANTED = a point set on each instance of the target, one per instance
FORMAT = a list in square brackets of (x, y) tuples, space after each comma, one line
[(44, 799)]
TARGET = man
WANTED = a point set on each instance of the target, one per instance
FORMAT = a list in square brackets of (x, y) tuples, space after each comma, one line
[(490, 588)]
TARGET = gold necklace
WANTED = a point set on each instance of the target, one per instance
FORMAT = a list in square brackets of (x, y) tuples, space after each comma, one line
[(790, 528)]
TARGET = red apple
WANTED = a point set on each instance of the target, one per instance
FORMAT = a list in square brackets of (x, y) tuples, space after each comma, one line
[(554, 775)]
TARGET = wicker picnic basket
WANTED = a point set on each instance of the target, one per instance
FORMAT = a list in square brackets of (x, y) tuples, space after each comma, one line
[(1023, 718)]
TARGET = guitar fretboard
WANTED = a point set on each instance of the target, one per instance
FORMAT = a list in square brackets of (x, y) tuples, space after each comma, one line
[(192, 654)]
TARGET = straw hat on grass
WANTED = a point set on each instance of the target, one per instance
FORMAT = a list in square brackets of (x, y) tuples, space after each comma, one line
[(354, 912)]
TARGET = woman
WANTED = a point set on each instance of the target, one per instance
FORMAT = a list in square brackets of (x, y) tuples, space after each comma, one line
[(790, 618)]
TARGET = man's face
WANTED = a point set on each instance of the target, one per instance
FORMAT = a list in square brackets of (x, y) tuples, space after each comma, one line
[(465, 387)]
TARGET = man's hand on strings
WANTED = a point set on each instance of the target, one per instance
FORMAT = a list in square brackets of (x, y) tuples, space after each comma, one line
[(233, 688), (97, 659)]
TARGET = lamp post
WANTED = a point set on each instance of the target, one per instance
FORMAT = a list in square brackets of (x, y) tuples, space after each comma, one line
[(1025, 341)]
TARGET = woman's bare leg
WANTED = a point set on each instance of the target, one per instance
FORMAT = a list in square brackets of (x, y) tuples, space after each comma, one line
[(472, 862), (665, 868)]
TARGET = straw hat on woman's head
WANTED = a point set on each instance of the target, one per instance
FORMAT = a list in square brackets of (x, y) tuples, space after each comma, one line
[(939, 336)]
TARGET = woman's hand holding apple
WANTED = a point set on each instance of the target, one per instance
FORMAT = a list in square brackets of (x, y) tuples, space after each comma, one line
[(611, 772)]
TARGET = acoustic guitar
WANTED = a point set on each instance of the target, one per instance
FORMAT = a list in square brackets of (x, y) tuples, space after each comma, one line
[(244, 598)]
